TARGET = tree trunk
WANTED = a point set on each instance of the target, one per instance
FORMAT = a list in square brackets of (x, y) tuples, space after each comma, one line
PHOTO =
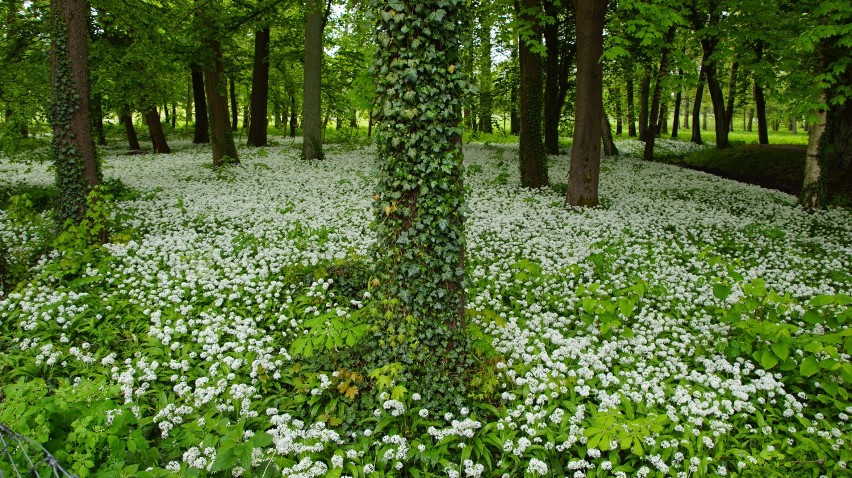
[(98, 118), (658, 90), (235, 123), (732, 93), (189, 102), (166, 111), (619, 113), (811, 190), (609, 147), (696, 107), (132, 140), (294, 118), (311, 103), (531, 149), (552, 107), (750, 124), (202, 125), (704, 119), (716, 95), (260, 89), (631, 109), (676, 119), (155, 129), (221, 135), (485, 78), (686, 112), (174, 116), (760, 103), (663, 120), (514, 119), (75, 161), (644, 97), (794, 125), (419, 219), (586, 152)]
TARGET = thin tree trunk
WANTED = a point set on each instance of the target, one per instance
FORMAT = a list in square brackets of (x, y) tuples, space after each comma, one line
[(189, 102), (222, 138), (696, 106), (644, 97), (311, 103), (202, 124), (552, 107), (257, 135), (531, 149), (813, 171), (155, 129), (514, 119), (732, 93), (794, 125), (619, 113), (750, 125), (235, 123), (704, 119), (485, 79), (686, 112), (584, 174), (663, 120), (760, 102), (676, 119), (174, 115), (716, 95), (132, 140), (631, 109), (609, 147), (294, 118), (98, 118), (658, 89)]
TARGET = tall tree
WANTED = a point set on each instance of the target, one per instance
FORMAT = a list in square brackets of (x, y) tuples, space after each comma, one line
[(221, 136), (260, 89), (486, 22), (202, 125), (706, 23), (631, 108), (658, 88), (77, 168), (559, 61), (584, 174), (311, 102), (531, 149), (420, 228), (155, 129)]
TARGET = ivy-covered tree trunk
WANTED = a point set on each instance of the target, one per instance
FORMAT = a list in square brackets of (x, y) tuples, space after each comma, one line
[(419, 204), (155, 129), (259, 89), (77, 168), (586, 153), (202, 126), (311, 102), (531, 149), (221, 136)]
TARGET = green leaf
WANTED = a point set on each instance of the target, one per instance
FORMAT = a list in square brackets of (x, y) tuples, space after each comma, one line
[(768, 360), (721, 291), (809, 366), (782, 351)]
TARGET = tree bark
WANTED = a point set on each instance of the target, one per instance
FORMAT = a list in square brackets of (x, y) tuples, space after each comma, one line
[(716, 95), (132, 139), (485, 77), (260, 90), (609, 147), (658, 89), (311, 103), (514, 119), (732, 93), (663, 120), (221, 136), (586, 153), (686, 112), (77, 168), (696, 109), (813, 170), (235, 122), (294, 118), (631, 109), (676, 119), (202, 125), (644, 98), (155, 128), (750, 124), (98, 118), (531, 148), (619, 113), (552, 107)]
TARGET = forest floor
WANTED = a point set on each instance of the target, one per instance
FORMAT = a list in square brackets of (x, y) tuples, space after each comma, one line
[(689, 326)]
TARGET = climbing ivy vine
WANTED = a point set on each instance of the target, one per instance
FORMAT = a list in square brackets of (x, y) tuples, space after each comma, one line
[(419, 205), (72, 186)]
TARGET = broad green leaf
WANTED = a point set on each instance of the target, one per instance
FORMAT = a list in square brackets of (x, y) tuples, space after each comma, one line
[(721, 291), (809, 366), (768, 360), (782, 351)]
